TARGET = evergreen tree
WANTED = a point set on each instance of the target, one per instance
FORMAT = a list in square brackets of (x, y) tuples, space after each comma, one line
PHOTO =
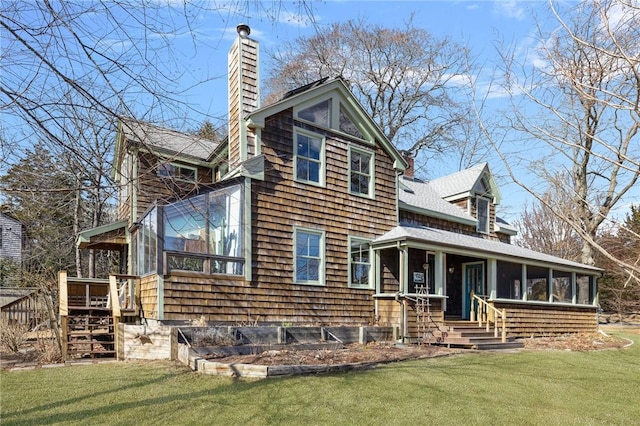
[(39, 192)]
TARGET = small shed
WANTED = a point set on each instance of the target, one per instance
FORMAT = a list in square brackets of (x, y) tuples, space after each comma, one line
[(21, 306)]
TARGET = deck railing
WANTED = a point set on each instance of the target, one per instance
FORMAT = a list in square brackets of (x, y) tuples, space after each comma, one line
[(483, 312)]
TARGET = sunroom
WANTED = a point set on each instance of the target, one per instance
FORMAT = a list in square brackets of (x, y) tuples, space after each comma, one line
[(204, 233)]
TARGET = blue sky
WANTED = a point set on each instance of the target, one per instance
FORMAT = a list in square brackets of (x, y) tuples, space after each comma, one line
[(482, 25), (197, 64)]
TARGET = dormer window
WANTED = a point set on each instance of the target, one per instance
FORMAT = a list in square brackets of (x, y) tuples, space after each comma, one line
[(482, 215)]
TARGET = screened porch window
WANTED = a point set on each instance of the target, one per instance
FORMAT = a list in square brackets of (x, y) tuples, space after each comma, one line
[(585, 285), (561, 288), (537, 278), (509, 280)]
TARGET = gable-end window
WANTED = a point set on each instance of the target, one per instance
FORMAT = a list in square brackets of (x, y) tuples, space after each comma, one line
[(309, 158), (178, 171), (359, 263), (319, 114), (482, 213), (309, 256), (361, 172), (347, 125)]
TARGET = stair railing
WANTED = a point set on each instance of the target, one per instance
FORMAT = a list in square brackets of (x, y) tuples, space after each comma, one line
[(482, 311)]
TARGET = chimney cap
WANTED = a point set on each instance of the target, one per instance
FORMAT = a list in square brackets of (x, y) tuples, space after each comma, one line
[(243, 30)]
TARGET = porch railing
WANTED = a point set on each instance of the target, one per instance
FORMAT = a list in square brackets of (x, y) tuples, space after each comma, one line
[(483, 312)]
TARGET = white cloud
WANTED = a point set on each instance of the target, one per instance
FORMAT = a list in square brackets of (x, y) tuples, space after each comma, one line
[(509, 8)]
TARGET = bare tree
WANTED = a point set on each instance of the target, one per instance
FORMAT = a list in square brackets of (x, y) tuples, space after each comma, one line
[(411, 82), (579, 128), (542, 230)]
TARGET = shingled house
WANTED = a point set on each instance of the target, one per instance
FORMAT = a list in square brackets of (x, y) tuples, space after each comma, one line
[(307, 214)]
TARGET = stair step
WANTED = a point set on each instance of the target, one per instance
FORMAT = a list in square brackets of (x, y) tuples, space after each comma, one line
[(90, 333), (500, 345)]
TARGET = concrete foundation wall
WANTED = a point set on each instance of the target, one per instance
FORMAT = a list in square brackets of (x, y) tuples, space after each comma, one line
[(148, 342)]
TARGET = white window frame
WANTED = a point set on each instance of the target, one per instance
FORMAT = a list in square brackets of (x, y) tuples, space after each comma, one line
[(369, 285), (371, 190), (335, 105), (177, 166), (483, 228), (322, 256), (323, 165)]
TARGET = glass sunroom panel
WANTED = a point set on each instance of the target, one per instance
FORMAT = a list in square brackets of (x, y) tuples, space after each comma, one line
[(185, 225), (225, 222)]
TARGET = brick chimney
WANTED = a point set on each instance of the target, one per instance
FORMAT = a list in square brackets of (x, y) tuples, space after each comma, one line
[(408, 173), (244, 94)]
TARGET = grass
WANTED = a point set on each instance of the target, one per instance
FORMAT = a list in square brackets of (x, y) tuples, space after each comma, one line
[(550, 388)]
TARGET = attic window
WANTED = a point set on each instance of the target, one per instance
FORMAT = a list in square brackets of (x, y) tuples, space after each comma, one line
[(318, 113), (347, 125)]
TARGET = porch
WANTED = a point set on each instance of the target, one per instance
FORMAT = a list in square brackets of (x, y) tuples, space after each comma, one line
[(465, 277)]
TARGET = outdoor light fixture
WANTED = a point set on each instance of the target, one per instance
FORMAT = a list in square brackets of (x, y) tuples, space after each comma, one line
[(451, 269), (243, 30)]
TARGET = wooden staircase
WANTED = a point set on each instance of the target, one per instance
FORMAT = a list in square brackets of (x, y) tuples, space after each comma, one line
[(90, 310), (466, 334)]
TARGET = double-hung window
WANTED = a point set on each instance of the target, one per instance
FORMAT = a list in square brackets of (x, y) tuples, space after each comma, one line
[(359, 263), (360, 172), (482, 214), (309, 158), (309, 256)]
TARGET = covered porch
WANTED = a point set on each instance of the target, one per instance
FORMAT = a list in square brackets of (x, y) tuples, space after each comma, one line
[(540, 294)]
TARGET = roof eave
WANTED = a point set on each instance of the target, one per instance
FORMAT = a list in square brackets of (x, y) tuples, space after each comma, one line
[(437, 215)]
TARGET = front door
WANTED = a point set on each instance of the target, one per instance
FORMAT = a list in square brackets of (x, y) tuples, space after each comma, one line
[(473, 281)]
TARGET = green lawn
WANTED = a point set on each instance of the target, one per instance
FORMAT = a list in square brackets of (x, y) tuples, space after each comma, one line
[(485, 388)]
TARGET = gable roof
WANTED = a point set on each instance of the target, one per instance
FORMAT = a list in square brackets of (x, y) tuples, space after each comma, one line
[(466, 183), (336, 86), (464, 243), (166, 141), (422, 197), (10, 295)]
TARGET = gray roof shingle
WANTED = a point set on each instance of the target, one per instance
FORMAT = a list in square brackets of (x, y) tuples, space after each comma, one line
[(482, 246), (168, 140)]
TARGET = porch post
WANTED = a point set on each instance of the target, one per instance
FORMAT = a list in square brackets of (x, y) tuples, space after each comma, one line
[(492, 277), (438, 273), (574, 295), (523, 284), (404, 270), (376, 271)]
